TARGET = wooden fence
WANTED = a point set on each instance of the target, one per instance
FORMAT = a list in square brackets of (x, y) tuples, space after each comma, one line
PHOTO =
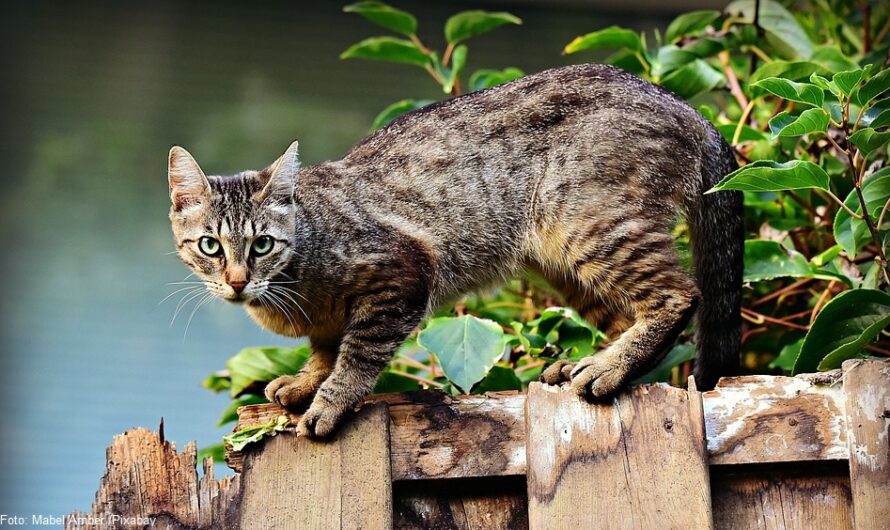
[(805, 452)]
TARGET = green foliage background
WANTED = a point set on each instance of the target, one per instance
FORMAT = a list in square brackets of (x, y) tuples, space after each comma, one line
[(800, 90)]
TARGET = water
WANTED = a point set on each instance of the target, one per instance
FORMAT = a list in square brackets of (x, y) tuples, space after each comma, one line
[(96, 97)]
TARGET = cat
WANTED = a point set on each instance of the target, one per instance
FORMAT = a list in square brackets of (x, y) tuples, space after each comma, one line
[(577, 173)]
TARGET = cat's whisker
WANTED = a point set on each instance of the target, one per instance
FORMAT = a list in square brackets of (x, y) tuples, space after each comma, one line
[(183, 302), (178, 291), (282, 292), (187, 283), (294, 291), (207, 297), (281, 306)]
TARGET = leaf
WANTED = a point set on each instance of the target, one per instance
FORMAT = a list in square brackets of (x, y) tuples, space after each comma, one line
[(844, 326), (468, 24), (216, 452), (868, 140), (876, 116), (386, 16), (254, 433), (678, 355), (388, 49), (848, 81), (611, 37), (466, 347), (809, 121), (670, 58), (705, 47), (852, 233), (263, 364), (748, 133), (832, 59), (230, 413), (218, 381), (793, 91), (488, 78), (458, 61), (689, 24), (792, 70), (782, 29), (397, 109), (389, 381), (785, 359), (693, 79), (768, 175), (499, 378), (872, 88), (767, 260)]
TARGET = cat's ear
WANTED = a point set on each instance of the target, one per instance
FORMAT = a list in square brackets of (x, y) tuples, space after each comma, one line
[(188, 185), (282, 176)]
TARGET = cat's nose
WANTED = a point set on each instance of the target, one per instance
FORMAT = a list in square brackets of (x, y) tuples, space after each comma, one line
[(237, 285)]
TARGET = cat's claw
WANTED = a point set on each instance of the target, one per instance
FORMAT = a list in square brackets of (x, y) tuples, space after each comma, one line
[(293, 392), (320, 421), (557, 373), (597, 377)]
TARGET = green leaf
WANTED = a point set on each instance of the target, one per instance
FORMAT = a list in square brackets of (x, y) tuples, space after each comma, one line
[(689, 24), (386, 16), (705, 47), (216, 452), (458, 61), (872, 88), (397, 109), (389, 381), (868, 140), (254, 433), (822, 259), (488, 78), (852, 233), (693, 79), (263, 364), (218, 381), (748, 133), (832, 59), (611, 37), (230, 413), (844, 326), (678, 355), (848, 81), (791, 70), (810, 120), (782, 29), (670, 58), (786, 358), (388, 49), (793, 91), (468, 24), (877, 116), (767, 260), (768, 175), (466, 347), (499, 378)]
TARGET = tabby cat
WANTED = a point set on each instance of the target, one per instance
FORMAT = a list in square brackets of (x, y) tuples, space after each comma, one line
[(577, 173)]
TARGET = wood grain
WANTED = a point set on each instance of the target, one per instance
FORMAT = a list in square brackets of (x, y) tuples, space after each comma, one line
[(487, 503), (291, 482), (867, 393), (637, 462), (781, 496), (761, 419), (147, 480)]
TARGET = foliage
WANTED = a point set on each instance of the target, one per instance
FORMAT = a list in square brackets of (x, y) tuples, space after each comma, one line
[(802, 95)]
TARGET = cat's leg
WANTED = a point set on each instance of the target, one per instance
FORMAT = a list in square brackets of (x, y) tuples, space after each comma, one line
[(294, 392)]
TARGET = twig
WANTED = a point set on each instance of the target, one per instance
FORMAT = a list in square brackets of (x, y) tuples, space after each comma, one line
[(734, 87), (530, 366), (742, 121), (758, 318), (417, 378), (878, 350), (821, 301), (780, 292)]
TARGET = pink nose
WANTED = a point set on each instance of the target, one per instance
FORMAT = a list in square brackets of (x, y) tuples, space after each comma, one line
[(238, 285)]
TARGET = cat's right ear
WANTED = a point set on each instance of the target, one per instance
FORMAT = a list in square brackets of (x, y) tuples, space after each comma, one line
[(188, 185)]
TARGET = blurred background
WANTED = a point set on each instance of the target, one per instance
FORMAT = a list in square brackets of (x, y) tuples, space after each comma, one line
[(95, 94)]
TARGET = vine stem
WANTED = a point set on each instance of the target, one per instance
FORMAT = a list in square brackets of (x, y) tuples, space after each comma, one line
[(734, 88), (744, 119), (844, 206), (758, 318)]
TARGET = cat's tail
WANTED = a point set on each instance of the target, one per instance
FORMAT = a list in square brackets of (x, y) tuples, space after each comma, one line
[(718, 239)]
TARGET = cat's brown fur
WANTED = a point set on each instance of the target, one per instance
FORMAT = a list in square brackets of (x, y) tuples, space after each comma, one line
[(577, 172)]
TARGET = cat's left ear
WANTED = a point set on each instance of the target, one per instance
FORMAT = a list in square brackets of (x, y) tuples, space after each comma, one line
[(188, 185), (282, 176)]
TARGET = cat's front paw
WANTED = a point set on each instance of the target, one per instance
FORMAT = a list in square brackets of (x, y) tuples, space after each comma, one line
[(557, 373), (293, 392), (598, 376), (321, 420)]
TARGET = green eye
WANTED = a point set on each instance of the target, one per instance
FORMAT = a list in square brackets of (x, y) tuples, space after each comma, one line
[(209, 246), (262, 245)]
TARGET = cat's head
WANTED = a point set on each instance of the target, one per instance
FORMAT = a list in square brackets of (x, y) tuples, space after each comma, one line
[(235, 233)]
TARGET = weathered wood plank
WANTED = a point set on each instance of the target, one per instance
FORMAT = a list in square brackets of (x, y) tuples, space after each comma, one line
[(867, 394), (485, 503), (779, 497), (761, 419), (637, 462), (147, 484), (344, 483)]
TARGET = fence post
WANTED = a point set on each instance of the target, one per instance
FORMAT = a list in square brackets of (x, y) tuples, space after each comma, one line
[(867, 392), (638, 461), (344, 483)]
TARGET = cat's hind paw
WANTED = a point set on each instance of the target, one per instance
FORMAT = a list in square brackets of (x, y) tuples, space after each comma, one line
[(597, 377), (557, 373), (293, 392)]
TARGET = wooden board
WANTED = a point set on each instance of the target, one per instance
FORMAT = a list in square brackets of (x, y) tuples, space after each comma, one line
[(867, 393), (637, 462), (487, 503), (781, 496), (344, 483), (148, 484), (761, 419)]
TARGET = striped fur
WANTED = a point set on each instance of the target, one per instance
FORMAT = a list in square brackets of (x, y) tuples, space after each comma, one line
[(577, 173)]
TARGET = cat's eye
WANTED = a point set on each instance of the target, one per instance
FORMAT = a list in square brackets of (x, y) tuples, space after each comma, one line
[(210, 246), (262, 245)]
